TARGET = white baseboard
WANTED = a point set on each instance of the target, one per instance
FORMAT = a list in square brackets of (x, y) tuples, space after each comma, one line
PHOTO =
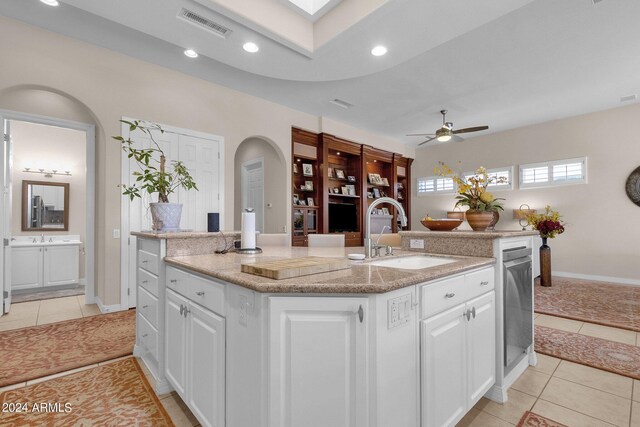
[(106, 308), (596, 278)]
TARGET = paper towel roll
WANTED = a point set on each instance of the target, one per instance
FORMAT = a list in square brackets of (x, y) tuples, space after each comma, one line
[(248, 232)]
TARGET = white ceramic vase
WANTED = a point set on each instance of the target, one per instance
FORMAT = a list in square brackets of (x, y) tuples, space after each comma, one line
[(166, 216)]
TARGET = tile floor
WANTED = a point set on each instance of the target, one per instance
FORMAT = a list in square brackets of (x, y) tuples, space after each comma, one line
[(572, 394)]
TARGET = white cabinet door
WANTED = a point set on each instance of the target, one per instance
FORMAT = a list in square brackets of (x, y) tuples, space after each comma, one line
[(176, 341), (26, 267), (444, 396), (481, 346), (318, 363), (61, 265), (206, 366)]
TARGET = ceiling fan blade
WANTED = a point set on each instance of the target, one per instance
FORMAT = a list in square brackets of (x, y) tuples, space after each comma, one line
[(428, 140), (419, 134), (473, 129)]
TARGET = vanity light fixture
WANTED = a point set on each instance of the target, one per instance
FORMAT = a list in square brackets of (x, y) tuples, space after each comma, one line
[(191, 53), (47, 173), (50, 2), (251, 47), (521, 215), (379, 51)]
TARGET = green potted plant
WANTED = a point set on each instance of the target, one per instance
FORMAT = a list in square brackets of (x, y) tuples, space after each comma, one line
[(472, 192), (154, 176)]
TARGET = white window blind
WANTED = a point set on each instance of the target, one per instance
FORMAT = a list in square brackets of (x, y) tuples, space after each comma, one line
[(497, 173), (435, 185), (557, 172)]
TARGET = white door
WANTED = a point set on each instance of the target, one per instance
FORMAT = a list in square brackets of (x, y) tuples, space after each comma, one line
[(444, 397), (61, 265), (318, 363), (5, 223), (253, 189), (481, 346), (176, 342), (206, 357), (26, 271)]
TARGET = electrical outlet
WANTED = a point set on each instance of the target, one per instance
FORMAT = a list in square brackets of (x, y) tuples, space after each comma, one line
[(416, 244), (116, 233), (398, 311)]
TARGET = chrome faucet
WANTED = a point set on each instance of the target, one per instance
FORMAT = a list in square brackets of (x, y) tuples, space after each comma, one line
[(368, 246), (42, 238)]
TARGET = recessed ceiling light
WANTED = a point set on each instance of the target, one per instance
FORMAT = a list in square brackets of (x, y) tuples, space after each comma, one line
[(378, 51), (50, 2), (250, 47), (191, 53)]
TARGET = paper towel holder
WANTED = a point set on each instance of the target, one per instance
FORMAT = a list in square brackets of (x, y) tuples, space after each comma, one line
[(249, 251)]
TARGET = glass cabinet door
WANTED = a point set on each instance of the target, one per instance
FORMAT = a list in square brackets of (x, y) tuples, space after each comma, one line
[(298, 222), (312, 216)]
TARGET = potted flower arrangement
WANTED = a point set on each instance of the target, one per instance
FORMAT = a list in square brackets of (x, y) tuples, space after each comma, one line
[(472, 192), (153, 176), (549, 225)]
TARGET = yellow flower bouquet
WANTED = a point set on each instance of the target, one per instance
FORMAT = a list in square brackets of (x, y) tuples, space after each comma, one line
[(472, 190)]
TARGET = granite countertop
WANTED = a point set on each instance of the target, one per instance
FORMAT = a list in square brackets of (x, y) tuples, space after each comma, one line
[(497, 234), (183, 234), (361, 278)]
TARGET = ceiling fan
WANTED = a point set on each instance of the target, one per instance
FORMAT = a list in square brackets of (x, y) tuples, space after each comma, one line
[(446, 132)]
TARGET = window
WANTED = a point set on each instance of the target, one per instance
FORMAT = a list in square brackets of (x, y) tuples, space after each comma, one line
[(506, 173), (558, 172), (435, 185)]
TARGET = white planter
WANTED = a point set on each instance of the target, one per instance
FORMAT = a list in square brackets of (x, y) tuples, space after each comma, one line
[(166, 216)]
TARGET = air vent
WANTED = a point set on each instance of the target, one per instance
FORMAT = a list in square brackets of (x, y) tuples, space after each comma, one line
[(204, 23), (342, 104), (629, 98)]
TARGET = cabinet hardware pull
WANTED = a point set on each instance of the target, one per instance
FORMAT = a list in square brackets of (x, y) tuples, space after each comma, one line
[(200, 293), (186, 311), (181, 310), (145, 281), (145, 306), (144, 261), (449, 295), (361, 313), (173, 281), (144, 335), (473, 311), (484, 283)]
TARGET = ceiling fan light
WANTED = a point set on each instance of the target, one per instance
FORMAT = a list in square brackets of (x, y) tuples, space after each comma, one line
[(444, 138)]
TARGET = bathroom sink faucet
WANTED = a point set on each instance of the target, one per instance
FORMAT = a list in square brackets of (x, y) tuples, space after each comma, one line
[(370, 249)]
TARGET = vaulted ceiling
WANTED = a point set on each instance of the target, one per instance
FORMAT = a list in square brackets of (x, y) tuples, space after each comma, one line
[(504, 63)]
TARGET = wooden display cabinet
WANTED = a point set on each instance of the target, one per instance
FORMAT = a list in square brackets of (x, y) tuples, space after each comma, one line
[(306, 179), (378, 181), (402, 167)]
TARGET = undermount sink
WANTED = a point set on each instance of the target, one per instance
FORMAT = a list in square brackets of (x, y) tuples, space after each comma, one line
[(414, 262)]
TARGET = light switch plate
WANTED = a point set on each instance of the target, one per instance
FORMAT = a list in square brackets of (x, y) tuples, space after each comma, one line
[(416, 244), (398, 311), (116, 233)]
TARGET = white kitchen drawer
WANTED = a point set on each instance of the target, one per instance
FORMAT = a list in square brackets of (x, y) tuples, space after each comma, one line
[(479, 282), (149, 261), (148, 337), (148, 306), (148, 281), (205, 292), (441, 295)]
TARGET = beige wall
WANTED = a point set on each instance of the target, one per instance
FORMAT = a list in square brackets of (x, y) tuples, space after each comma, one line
[(38, 146), (602, 232), (275, 171), (53, 75)]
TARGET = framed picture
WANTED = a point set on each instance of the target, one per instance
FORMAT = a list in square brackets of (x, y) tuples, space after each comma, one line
[(376, 193), (384, 181), (330, 173), (303, 187), (340, 174), (351, 190), (385, 211), (371, 178), (303, 203), (369, 195), (383, 193), (296, 200), (308, 185), (310, 201), (351, 178), (295, 168), (378, 179), (345, 191), (336, 190), (379, 211), (307, 169), (400, 196)]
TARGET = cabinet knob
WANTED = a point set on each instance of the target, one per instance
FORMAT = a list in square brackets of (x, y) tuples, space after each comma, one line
[(485, 283), (186, 311), (145, 281), (449, 295), (467, 314), (181, 309), (145, 306), (173, 281), (144, 261), (200, 293), (145, 335), (361, 314), (473, 312)]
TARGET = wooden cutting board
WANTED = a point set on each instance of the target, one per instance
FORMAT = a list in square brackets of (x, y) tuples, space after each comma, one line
[(288, 268)]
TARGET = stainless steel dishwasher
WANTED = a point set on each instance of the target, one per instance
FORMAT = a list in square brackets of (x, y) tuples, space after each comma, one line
[(518, 304)]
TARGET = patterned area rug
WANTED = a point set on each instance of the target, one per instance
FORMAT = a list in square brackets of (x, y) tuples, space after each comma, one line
[(529, 419), (595, 302), (38, 351), (607, 355), (116, 394)]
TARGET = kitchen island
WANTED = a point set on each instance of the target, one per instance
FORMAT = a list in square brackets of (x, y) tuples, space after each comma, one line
[(366, 346)]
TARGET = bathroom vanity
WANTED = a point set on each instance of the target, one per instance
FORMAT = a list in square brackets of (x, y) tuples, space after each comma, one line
[(373, 345)]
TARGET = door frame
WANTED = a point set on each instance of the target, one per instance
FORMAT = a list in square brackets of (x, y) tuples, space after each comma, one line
[(125, 225), (90, 180), (244, 185)]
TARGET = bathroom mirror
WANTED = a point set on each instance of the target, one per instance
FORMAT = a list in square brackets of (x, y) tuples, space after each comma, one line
[(45, 206)]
